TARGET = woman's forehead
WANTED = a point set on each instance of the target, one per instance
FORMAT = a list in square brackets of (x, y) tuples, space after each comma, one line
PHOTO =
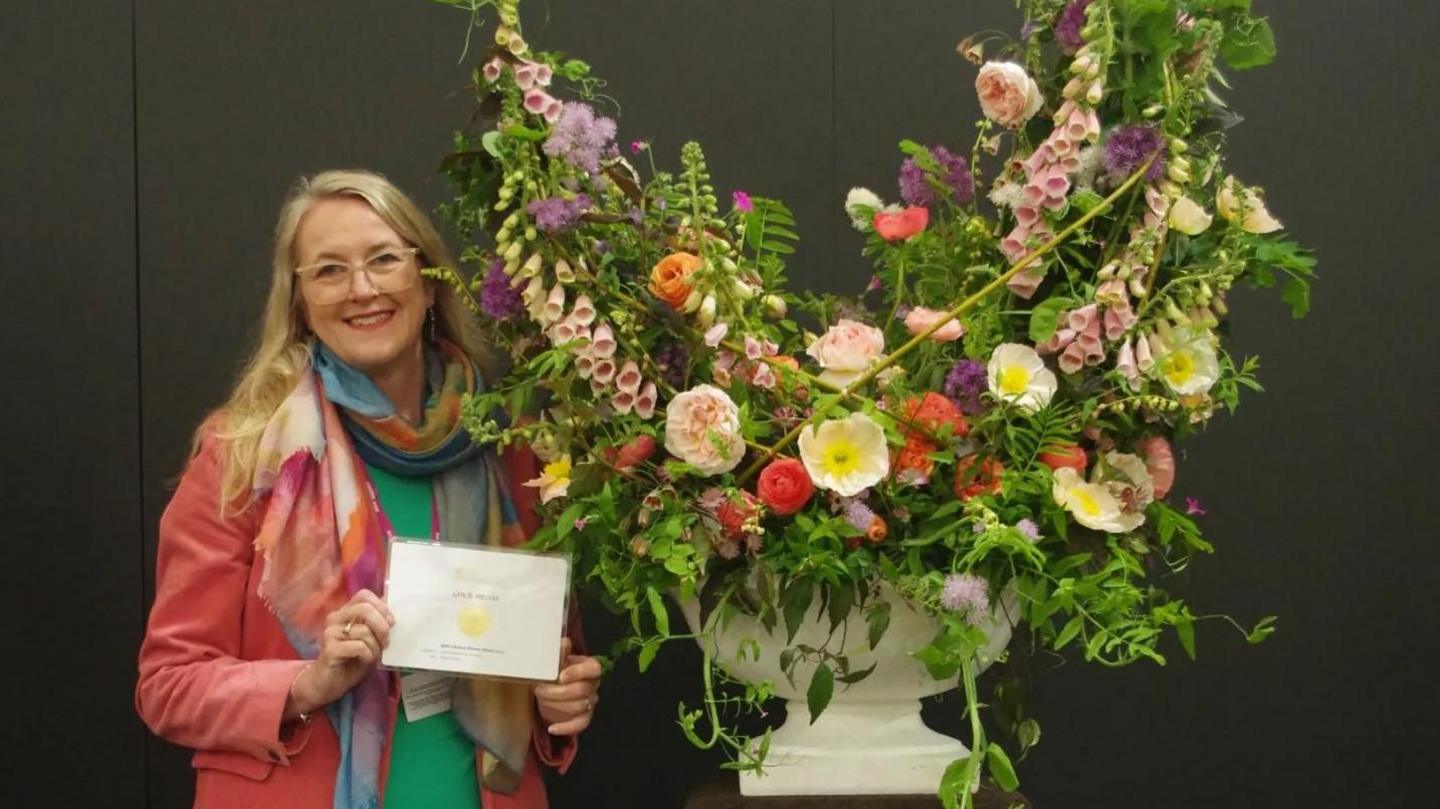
[(342, 225)]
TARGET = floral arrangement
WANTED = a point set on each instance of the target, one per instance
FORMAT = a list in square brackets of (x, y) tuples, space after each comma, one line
[(998, 408)]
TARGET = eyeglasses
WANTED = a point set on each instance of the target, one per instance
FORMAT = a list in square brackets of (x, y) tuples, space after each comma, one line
[(389, 270)]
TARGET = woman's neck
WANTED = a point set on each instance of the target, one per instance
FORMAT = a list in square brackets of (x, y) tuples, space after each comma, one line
[(403, 383)]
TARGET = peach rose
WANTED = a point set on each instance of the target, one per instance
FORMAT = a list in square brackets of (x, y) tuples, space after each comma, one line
[(919, 319), (846, 350), (1008, 96), (669, 281), (702, 428)]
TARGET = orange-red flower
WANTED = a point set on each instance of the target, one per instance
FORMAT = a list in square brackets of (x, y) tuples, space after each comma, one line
[(899, 226), (1067, 455), (932, 411), (670, 279), (974, 479), (913, 460), (785, 486)]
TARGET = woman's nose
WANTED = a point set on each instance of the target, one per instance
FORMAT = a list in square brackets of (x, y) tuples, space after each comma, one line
[(362, 287)]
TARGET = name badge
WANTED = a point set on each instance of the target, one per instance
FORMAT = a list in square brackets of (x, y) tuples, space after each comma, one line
[(425, 694), (467, 610)]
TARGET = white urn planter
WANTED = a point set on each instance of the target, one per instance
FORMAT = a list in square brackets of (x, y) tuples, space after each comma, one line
[(870, 740)]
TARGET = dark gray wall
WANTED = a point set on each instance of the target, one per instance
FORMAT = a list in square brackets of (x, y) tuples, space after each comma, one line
[(147, 144)]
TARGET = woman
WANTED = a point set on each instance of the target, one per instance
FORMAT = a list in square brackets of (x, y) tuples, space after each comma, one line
[(343, 430)]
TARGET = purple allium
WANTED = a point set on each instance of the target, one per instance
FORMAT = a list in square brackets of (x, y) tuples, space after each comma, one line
[(968, 594), (554, 214), (1067, 27), (498, 299), (1028, 527), (580, 137), (672, 359), (859, 515), (964, 383), (915, 188), (955, 172), (1128, 147), (742, 202)]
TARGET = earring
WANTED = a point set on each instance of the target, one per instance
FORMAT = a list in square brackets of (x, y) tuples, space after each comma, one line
[(430, 322)]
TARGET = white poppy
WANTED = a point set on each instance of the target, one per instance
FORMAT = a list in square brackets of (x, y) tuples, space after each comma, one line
[(1092, 504), (1017, 375), (846, 455), (1246, 208), (1188, 217), (1189, 364)]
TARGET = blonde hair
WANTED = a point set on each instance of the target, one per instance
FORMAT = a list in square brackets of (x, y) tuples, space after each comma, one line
[(282, 352)]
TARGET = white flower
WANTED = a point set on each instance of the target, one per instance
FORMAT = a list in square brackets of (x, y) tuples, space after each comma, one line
[(1008, 96), (1246, 208), (554, 480), (1188, 217), (1017, 375), (861, 205), (1129, 481), (846, 455), (1189, 366), (702, 428), (846, 350), (1092, 504)]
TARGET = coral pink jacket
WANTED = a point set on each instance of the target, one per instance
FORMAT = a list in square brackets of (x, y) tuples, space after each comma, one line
[(216, 669)]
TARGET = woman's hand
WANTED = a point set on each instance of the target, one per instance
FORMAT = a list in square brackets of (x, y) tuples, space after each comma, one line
[(568, 704), (354, 636)]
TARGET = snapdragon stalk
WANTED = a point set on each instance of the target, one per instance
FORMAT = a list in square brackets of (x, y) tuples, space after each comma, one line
[(960, 309)]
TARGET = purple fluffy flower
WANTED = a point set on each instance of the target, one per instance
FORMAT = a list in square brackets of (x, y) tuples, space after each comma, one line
[(954, 172), (580, 137), (554, 214), (672, 359), (1128, 147), (967, 594), (1028, 527), (859, 515), (964, 383), (498, 299), (742, 202), (1067, 27)]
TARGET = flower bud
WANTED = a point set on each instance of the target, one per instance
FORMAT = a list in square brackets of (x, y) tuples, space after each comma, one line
[(563, 273), (1179, 146), (743, 291), (775, 306), (530, 234), (502, 235), (1095, 93), (706, 314), (1152, 110), (512, 253), (531, 267), (692, 302), (502, 35)]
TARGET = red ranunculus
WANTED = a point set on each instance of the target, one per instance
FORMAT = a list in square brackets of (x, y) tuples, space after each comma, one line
[(897, 227), (785, 486), (733, 515), (1059, 457), (932, 410), (973, 480), (913, 458)]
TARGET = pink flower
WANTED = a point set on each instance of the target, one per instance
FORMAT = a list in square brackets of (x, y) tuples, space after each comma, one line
[(622, 402), (493, 69), (539, 102), (645, 402), (602, 345), (603, 371), (897, 226), (629, 378), (1008, 96), (702, 428), (1125, 364), (764, 376), (846, 350), (1159, 461), (584, 312), (716, 333), (752, 348), (1072, 359), (921, 319), (1193, 507)]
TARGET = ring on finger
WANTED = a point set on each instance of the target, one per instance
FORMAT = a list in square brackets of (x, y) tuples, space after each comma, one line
[(346, 630)]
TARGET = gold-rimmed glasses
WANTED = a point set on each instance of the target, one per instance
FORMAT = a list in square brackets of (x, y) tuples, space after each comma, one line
[(388, 269)]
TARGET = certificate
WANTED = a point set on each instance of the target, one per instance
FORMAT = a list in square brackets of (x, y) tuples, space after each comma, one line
[(476, 610)]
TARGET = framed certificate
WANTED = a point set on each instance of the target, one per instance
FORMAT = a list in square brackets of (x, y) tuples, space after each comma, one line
[(475, 610)]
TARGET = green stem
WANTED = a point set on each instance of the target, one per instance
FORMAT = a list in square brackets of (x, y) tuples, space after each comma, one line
[(960, 309), (977, 731)]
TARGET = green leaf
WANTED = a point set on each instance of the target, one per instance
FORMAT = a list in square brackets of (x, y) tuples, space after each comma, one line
[(491, 141), (1264, 629), (822, 686), (1297, 294), (1185, 629), (1000, 767), (567, 520), (647, 653), (856, 676), (878, 620), (1045, 317), (657, 608), (1028, 734), (1249, 42), (1069, 632), (841, 599), (956, 780), (794, 603)]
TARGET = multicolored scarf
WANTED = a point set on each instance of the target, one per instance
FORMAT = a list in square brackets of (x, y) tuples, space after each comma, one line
[(322, 540)]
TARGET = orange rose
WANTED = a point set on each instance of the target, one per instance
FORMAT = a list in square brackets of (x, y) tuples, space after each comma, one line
[(914, 458), (669, 281), (973, 480)]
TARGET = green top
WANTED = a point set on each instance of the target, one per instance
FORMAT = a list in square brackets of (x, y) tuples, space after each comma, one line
[(432, 762)]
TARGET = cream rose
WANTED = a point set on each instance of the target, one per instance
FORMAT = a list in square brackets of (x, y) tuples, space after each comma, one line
[(702, 428), (846, 350), (1008, 96)]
